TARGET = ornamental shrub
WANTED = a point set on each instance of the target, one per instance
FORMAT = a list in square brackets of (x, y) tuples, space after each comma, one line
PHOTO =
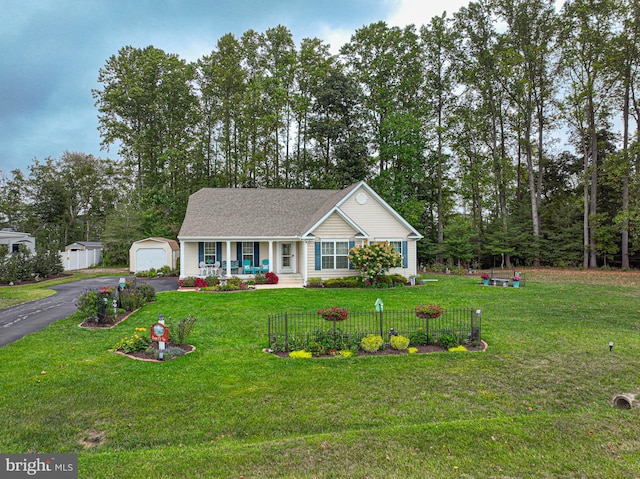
[(272, 278), (147, 291), (371, 343), (374, 259), (188, 282), (399, 342), (448, 340), (180, 332)]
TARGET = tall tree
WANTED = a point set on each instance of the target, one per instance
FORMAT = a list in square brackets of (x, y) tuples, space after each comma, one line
[(526, 54), (587, 36), (440, 58)]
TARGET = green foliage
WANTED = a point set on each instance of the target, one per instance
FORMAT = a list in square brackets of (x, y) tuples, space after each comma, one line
[(147, 291), (420, 338), (399, 342), (179, 332), (448, 340), (314, 283), (188, 282), (87, 304), (371, 343), (130, 299), (344, 282), (374, 259)]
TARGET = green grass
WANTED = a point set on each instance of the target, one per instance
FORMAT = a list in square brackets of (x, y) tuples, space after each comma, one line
[(535, 404)]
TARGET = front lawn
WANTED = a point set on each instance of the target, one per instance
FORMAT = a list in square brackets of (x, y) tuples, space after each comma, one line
[(535, 404)]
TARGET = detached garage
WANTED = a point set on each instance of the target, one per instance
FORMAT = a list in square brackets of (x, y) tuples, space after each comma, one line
[(153, 253)]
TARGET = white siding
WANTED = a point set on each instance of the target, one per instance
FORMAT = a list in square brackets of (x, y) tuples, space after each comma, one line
[(374, 218)]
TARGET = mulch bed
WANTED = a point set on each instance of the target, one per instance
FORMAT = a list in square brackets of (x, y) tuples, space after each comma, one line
[(93, 325), (432, 348), (144, 356)]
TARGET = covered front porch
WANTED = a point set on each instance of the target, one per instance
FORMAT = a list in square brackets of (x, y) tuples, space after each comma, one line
[(241, 257)]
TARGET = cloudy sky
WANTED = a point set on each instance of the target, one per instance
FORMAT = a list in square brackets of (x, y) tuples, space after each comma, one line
[(52, 51)]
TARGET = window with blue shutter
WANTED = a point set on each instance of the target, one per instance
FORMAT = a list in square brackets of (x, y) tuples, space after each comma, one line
[(200, 252), (351, 245), (256, 254), (405, 260)]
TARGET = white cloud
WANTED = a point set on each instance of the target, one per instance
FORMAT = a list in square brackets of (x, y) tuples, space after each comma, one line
[(420, 12)]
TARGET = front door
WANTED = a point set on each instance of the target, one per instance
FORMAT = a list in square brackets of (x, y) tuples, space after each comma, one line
[(286, 257)]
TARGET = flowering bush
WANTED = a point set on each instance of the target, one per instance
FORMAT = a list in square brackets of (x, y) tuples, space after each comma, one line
[(136, 342), (272, 278), (428, 311), (334, 314), (374, 259), (484, 275), (515, 278)]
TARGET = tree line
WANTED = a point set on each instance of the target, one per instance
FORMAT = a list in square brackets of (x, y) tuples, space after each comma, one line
[(457, 124)]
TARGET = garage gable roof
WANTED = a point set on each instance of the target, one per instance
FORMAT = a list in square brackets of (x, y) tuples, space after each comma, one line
[(173, 244)]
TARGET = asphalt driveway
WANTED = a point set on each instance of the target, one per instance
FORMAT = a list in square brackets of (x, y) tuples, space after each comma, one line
[(18, 321)]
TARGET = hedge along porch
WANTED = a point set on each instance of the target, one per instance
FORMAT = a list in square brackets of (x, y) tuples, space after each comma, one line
[(298, 232)]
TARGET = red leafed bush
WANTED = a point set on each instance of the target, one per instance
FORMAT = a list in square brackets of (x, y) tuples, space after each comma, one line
[(272, 278)]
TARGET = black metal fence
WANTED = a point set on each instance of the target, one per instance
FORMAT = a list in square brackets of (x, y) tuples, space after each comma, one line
[(290, 331)]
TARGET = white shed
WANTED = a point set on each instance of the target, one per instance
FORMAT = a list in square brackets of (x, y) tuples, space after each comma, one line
[(153, 253)]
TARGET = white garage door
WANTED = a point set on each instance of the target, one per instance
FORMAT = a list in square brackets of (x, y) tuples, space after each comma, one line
[(147, 258)]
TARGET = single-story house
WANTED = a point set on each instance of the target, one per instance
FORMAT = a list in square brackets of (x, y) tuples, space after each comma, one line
[(300, 232), (13, 239), (153, 253)]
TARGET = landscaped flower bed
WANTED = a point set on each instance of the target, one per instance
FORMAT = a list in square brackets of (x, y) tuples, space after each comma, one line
[(388, 332)]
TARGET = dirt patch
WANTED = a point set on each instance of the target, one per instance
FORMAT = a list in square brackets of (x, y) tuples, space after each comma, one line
[(91, 439), (602, 277)]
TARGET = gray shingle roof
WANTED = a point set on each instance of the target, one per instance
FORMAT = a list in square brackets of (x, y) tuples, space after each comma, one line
[(256, 212)]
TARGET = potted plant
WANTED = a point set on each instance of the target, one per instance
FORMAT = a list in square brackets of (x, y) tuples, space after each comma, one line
[(485, 278), (428, 311), (516, 281), (334, 314)]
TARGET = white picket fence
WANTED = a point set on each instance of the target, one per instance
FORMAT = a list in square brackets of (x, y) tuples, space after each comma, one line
[(72, 260)]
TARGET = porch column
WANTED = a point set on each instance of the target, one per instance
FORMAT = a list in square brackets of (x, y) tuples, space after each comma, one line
[(305, 261), (270, 256), (182, 259), (228, 272)]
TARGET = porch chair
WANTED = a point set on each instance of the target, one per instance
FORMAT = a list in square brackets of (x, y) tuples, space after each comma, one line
[(246, 267), (203, 268), (265, 266), (216, 267)]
